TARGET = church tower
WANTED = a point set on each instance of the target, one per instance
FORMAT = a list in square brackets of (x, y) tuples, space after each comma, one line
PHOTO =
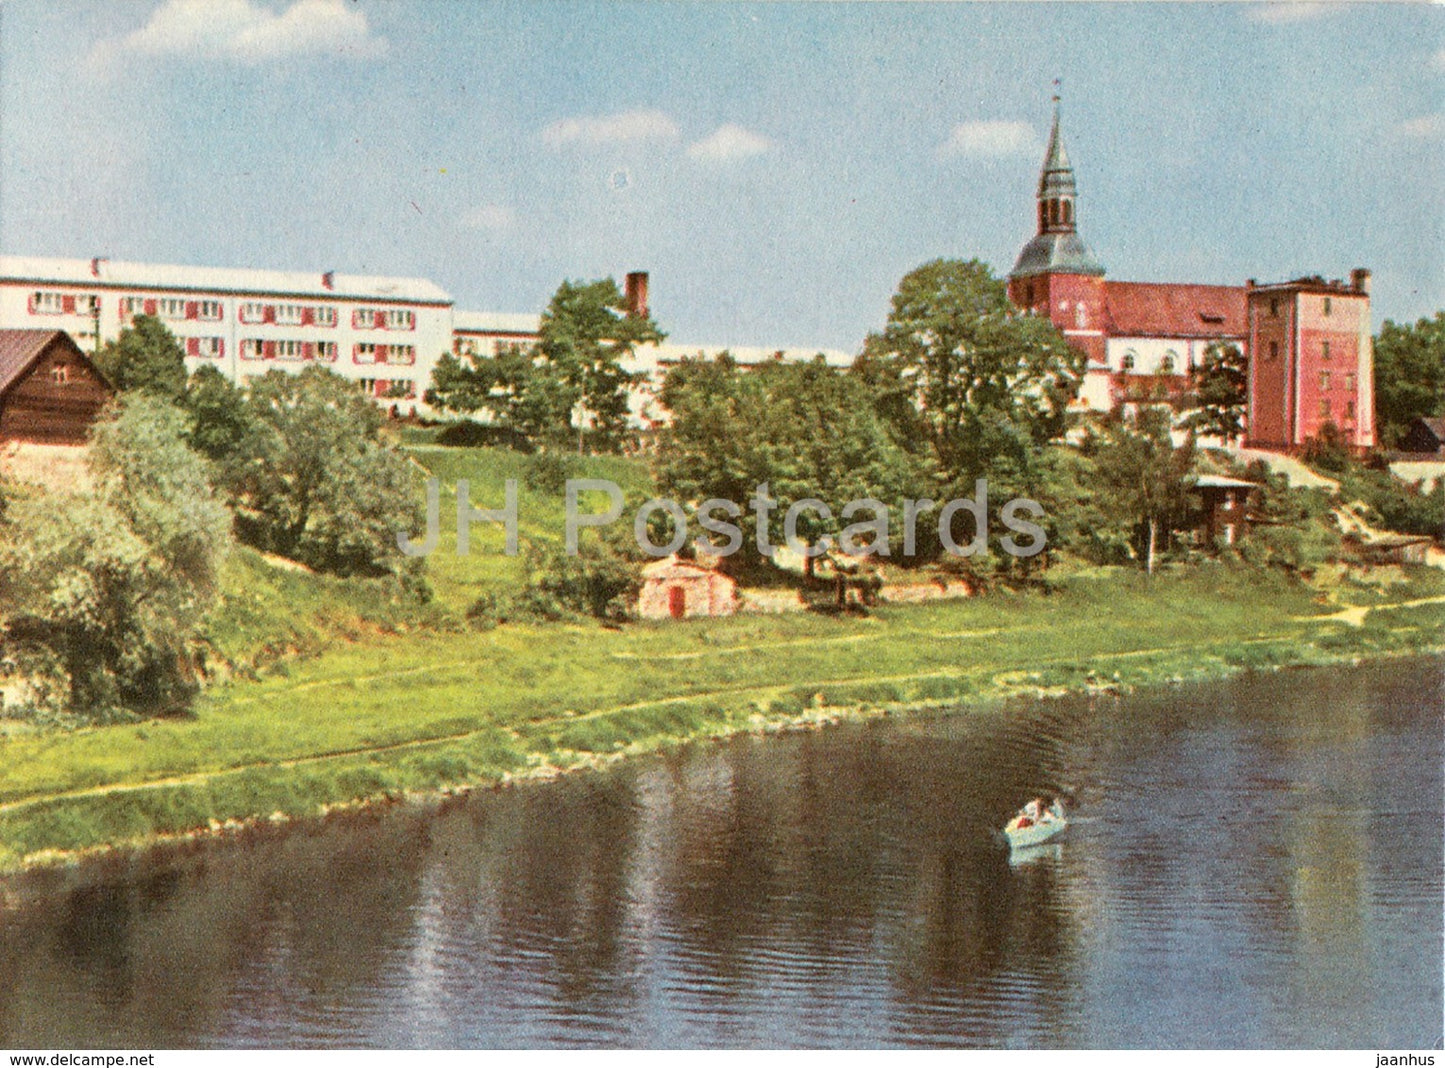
[(1056, 275)]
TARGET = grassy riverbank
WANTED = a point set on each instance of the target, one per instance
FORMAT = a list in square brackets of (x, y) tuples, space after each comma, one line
[(418, 705)]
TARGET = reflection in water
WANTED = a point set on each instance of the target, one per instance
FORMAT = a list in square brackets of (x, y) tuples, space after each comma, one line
[(1256, 864)]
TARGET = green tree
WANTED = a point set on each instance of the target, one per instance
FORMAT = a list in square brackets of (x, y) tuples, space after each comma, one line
[(116, 582), (585, 335), (1221, 386), (807, 430), (146, 357), (1145, 476), (1409, 375), (985, 381), (218, 415), (312, 479)]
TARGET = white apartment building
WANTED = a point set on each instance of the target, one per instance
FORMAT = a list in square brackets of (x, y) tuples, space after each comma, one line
[(384, 333)]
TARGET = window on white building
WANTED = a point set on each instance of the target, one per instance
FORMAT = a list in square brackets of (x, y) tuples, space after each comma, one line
[(288, 315), (1169, 362), (1129, 360), (400, 319), (401, 354), (253, 312), (210, 310), (325, 316), (46, 303), (326, 350), (365, 352), (364, 318), (171, 308)]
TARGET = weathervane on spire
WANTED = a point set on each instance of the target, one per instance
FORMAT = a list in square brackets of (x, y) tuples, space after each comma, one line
[(1058, 86)]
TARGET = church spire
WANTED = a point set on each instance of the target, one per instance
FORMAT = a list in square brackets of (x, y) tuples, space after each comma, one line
[(1057, 190), (1056, 247)]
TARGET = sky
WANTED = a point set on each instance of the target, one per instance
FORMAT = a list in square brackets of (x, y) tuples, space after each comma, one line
[(776, 167)]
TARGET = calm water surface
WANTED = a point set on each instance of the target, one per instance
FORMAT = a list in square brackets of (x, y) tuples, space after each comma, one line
[(1255, 863)]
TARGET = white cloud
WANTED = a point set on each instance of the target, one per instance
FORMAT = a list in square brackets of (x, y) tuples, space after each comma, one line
[(487, 217), (245, 32), (1277, 14), (990, 137), (729, 142), (1424, 127), (623, 127)]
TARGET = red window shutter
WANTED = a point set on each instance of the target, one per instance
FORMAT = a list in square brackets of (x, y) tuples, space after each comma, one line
[(69, 305), (380, 322), (193, 346), (381, 351), (382, 385), (220, 347), (268, 314), (269, 348), (30, 306), (192, 309), (150, 306), (308, 350), (308, 316)]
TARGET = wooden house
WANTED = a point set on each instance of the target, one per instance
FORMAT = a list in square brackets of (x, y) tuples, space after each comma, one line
[(50, 391)]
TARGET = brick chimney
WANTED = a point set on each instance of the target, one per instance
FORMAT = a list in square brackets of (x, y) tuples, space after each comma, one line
[(637, 295), (1360, 279)]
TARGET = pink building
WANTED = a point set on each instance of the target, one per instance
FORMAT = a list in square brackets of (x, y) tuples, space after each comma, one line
[(1312, 362)]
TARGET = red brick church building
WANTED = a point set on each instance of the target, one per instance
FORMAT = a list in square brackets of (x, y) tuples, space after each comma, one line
[(1143, 339)]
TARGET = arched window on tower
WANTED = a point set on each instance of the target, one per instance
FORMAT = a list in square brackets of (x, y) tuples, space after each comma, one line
[(1127, 363), (1066, 212), (1169, 362), (1043, 215)]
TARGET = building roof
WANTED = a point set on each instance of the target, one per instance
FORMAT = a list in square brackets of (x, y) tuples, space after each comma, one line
[(667, 354), (1056, 252), (469, 322), (1435, 424), (670, 568), (19, 349), (114, 274), (1222, 482), (1168, 309)]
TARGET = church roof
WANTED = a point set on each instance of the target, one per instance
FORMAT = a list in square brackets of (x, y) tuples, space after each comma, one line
[(1168, 309), (1060, 252)]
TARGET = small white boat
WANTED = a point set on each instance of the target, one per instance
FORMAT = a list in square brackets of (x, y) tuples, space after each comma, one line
[(1033, 827)]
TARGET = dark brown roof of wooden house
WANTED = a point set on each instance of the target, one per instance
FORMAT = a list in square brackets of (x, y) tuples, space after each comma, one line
[(21, 348)]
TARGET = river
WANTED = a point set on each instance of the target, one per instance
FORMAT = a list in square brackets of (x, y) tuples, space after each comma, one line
[(1254, 863)]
